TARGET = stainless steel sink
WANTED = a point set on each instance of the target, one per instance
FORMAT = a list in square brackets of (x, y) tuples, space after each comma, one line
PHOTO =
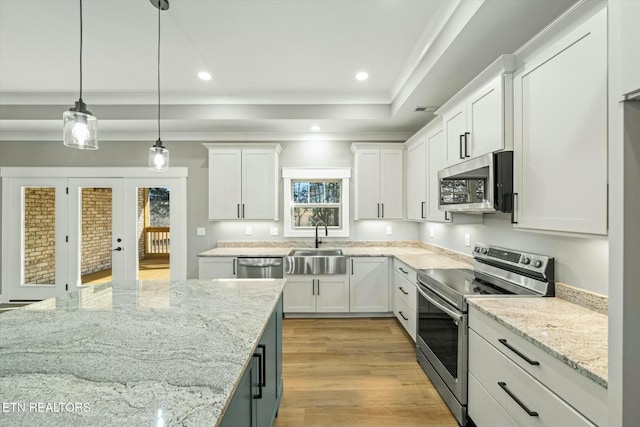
[(315, 262)]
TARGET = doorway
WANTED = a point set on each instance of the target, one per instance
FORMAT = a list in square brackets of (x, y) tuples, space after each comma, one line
[(73, 231)]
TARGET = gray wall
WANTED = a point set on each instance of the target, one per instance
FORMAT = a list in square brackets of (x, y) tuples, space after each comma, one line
[(194, 156), (580, 261)]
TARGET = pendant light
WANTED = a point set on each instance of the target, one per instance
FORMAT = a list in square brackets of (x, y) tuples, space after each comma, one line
[(80, 127), (158, 154)]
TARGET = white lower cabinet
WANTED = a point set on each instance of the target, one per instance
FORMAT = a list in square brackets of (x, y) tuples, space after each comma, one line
[(369, 285), (216, 268), (405, 296), (316, 294), (531, 387)]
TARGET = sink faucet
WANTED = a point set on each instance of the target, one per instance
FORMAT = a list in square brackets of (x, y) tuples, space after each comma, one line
[(326, 232)]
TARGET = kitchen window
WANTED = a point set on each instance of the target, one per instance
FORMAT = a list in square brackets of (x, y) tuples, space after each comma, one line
[(313, 196)]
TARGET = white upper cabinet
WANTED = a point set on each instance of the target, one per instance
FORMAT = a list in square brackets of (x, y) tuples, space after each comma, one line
[(477, 120), (379, 189), (625, 16), (243, 181), (417, 180), (436, 158), (560, 153)]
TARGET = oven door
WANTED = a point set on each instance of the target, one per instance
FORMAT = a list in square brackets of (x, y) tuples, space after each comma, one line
[(442, 339)]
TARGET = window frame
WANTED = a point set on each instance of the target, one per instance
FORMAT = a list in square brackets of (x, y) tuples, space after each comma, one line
[(289, 175)]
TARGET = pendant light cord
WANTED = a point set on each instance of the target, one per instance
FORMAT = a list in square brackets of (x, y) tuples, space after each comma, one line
[(159, 11), (80, 50)]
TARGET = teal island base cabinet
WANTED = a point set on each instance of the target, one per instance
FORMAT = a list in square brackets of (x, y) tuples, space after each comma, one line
[(256, 400)]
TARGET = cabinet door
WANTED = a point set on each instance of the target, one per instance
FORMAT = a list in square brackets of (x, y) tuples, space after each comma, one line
[(626, 14), (485, 120), (241, 411), (299, 295), (369, 284), (437, 149), (367, 181), (417, 182), (560, 153), (391, 184), (455, 125), (259, 183), (216, 268), (225, 190), (267, 347), (332, 294)]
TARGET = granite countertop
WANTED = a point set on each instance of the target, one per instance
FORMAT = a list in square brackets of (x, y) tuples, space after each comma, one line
[(414, 257), (148, 353), (572, 334)]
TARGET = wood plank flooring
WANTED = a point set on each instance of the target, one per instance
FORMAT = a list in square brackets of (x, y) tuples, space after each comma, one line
[(355, 372)]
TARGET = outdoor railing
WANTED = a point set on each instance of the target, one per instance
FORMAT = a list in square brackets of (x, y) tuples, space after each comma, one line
[(157, 241)]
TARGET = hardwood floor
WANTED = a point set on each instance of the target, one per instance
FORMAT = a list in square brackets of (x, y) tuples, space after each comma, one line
[(148, 269), (355, 372)]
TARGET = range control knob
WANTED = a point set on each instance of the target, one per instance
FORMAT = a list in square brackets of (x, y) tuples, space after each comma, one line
[(537, 263), (484, 251), (526, 260)]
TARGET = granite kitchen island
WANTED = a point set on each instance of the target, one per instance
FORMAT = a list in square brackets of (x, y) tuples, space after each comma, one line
[(147, 353)]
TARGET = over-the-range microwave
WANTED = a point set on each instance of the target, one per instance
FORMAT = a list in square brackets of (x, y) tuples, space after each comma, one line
[(480, 185)]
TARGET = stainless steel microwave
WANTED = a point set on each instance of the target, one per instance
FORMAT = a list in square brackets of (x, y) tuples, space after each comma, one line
[(480, 185)]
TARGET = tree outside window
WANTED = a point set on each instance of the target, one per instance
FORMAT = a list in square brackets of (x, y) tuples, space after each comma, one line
[(316, 201)]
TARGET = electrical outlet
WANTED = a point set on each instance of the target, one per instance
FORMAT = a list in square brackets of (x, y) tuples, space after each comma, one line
[(389, 230), (467, 240), (248, 231), (274, 231), (432, 233), (201, 231)]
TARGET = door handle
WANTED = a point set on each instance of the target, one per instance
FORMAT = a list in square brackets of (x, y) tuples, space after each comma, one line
[(466, 144), (446, 215), (238, 210), (403, 291), (234, 266), (503, 386), (513, 208), (383, 210), (263, 377), (422, 210), (461, 156), (318, 287), (405, 318), (313, 286), (378, 210), (117, 249), (243, 210), (259, 357)]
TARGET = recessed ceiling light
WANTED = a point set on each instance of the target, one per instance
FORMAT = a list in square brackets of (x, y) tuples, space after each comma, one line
[(204, 75), (362, 76), (315, 128)]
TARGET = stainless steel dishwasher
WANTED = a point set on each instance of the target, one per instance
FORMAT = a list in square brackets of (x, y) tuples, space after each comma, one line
[(260, 268)]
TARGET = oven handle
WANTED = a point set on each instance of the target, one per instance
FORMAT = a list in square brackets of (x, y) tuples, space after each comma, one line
[(447, 310)]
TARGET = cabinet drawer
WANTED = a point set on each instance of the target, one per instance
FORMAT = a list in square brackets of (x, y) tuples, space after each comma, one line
[(405, 315), (515, 390), (404, 290), (405, 271), (484, 410), (585, 395)]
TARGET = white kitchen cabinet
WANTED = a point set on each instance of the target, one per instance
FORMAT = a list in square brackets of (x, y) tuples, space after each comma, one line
[(217, 268), (560, 152), (405, 296), (379, 189), (625, 24), (243, 181), (478, 119), (558, 393), (436, 158), (369, 285), (417, 180), (316, 294)]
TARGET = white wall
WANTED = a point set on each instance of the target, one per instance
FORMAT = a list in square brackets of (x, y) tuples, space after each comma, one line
[(581, 262)]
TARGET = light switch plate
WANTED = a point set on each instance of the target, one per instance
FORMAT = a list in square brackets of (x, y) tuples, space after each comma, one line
[(432, 233), (248, 231), (274, 231), (201, 231), (389, 230), (467, 240)]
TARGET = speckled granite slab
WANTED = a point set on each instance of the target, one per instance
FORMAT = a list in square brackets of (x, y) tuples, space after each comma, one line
[(572, 334), (142, 354)]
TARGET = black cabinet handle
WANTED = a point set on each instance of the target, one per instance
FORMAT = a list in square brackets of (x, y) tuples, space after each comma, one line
[(461, 142), (422, 210), (378, 210), (259, 357), (263, 371), (446, 215), (403, 291), (234, 266), (352, 266), (403, 270), (516, 351), (514, 197), (238, 210), (243, 210), (318, 287), (466, 144), (503, 386), (405, 318), (313, 286)]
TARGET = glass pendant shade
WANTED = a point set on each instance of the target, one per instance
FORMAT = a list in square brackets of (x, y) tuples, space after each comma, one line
[(158, 157), (80, 130)]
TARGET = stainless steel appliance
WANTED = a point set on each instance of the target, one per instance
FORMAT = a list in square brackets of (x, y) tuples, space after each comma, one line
[(259, 268), (480, 185), (442, 311)]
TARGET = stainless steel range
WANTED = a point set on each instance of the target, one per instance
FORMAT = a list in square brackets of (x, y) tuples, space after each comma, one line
[(442, 311)]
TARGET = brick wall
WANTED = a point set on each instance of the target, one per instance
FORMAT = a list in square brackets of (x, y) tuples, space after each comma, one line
[(141, 205), (39, 235), (96, 230)]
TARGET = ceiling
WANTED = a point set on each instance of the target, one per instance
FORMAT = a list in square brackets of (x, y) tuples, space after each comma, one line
[(278, 66)]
